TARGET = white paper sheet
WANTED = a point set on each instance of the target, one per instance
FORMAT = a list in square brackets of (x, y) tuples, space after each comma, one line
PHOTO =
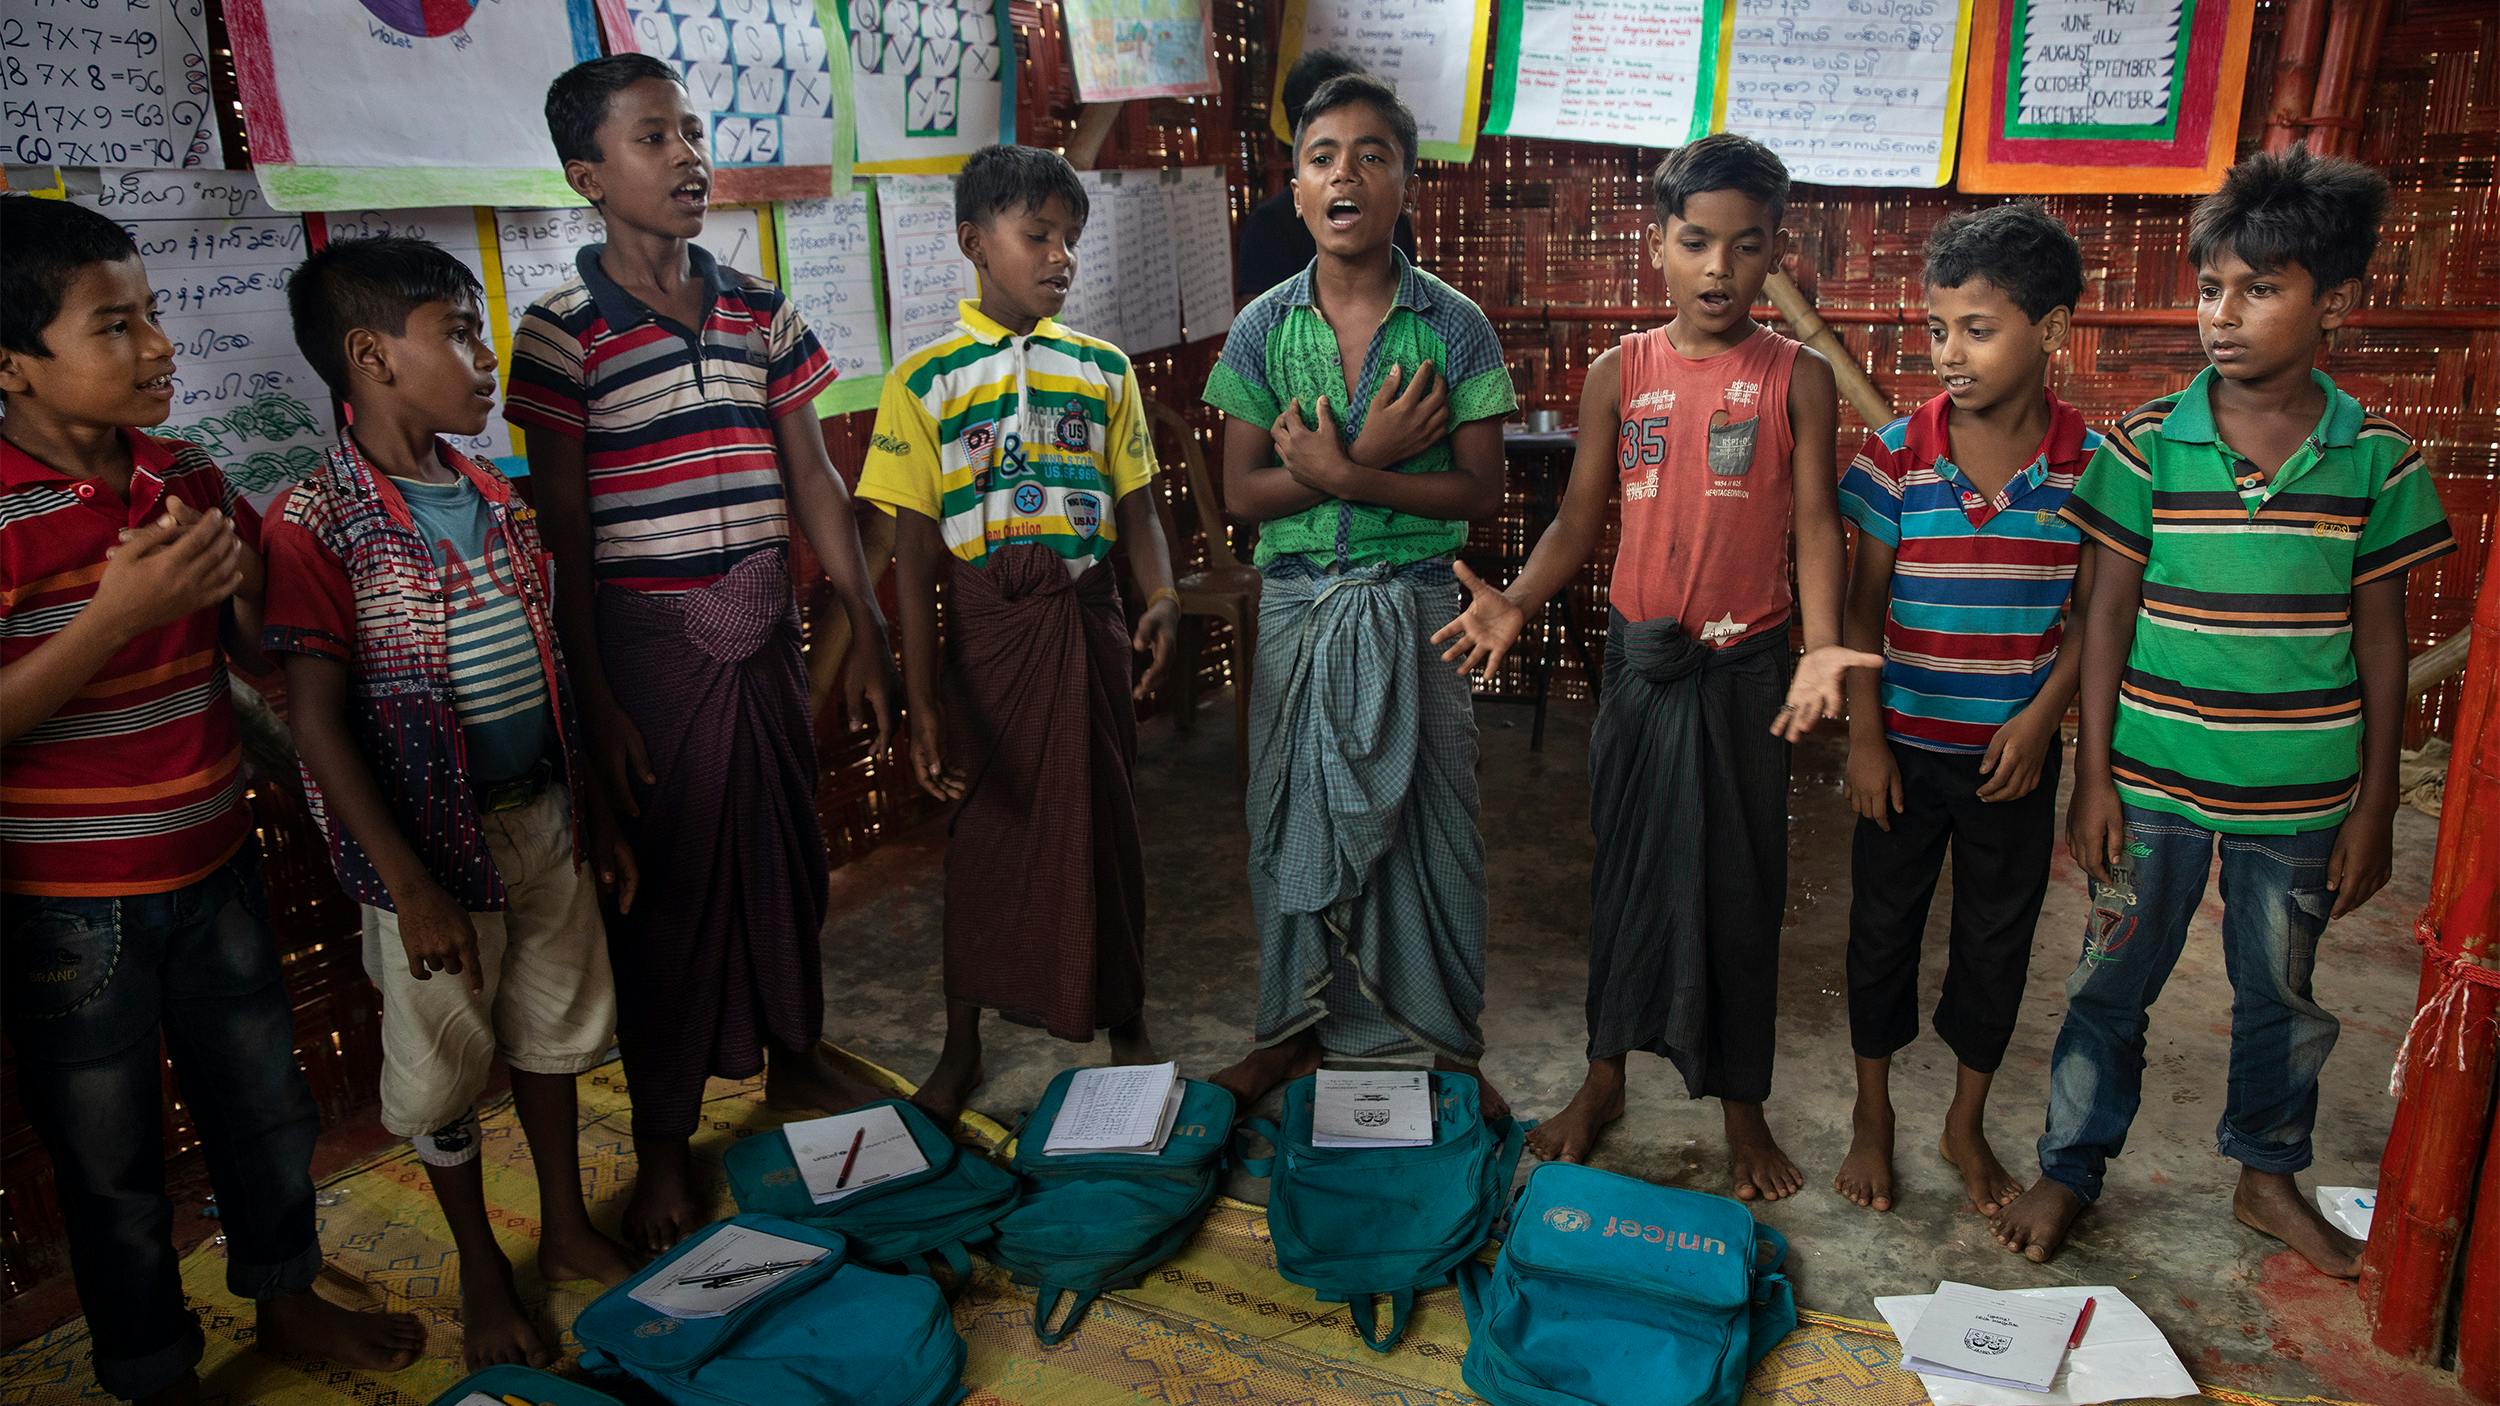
[(1201, 212), (220, 260), (1371, 1108), (822, 1147), (832, 277), (1112, 1108), (1423, 48), (925, 275), (2098, 63), (123, 84), (928, 78), (680, 1291), (2349, 1208), (1849, 92), (1990, 1336), (2122, 1355), (1630, 72)]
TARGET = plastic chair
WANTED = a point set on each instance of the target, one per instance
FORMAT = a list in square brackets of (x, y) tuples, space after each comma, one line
[(1226, 589)]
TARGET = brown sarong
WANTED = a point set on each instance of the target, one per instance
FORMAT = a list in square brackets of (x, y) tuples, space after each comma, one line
[(1045, 883), (719, 954)]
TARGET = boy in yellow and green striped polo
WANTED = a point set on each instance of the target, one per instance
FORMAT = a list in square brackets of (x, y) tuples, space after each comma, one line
[(2243, 689), (1013, 453)]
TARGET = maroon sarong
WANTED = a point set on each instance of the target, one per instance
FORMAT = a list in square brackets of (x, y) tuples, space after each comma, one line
[(1045, 884), (719, 954)]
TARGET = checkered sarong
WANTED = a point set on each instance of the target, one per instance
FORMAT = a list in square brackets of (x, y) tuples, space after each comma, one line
[(1366, 869)]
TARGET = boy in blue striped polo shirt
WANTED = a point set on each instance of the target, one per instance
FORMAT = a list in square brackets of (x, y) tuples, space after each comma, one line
[(1962, 574)]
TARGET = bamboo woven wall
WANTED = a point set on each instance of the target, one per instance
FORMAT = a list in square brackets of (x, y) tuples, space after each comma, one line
[(1546, 236)]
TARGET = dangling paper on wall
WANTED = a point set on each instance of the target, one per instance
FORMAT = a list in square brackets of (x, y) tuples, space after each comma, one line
[(933, 81), (1431, 51), (770, 77), (1629, 72), (125, 85), (1851, 92)]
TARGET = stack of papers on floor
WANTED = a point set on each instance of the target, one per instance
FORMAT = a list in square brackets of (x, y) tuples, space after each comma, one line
[(847, 1153), (1121, 1108), (2122, 1356), (724, 1272), (1372, 1108)]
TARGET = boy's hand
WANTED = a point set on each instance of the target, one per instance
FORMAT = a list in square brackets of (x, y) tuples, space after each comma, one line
[(1407, 417), (1873, 782), (928, 755), (438, 935), (182, 562), (1814, 691), (2016, 755), (2357, 867), (868, 686), (2096, 829), (622, 762), (1484, 632), (612, 857), (1311, 453), (1155, 633)]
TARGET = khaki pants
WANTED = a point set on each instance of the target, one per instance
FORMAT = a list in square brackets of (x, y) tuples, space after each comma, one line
[(549, 1006)]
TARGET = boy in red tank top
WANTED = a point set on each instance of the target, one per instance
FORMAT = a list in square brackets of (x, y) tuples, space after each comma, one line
[(1720, 434)]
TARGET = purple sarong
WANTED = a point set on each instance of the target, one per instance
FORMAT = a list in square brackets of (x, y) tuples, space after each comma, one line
[(719, 954)]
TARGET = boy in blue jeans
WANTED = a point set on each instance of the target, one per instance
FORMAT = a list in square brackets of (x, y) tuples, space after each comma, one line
[(2243, 683)]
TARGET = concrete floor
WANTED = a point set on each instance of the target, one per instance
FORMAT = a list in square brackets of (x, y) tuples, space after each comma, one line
[(2241, 1312)]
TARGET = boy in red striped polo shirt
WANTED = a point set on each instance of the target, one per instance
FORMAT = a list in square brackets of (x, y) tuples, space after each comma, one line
[(128, 874)]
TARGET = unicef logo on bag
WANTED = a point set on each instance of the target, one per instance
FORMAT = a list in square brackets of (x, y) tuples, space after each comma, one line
[(1567, 1220)]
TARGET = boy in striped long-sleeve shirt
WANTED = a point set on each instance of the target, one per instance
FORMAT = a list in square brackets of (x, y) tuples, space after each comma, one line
[(1962, 575)]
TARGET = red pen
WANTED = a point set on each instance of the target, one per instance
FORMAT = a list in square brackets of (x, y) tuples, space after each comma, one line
[(2082, 1321), (862, 1136)]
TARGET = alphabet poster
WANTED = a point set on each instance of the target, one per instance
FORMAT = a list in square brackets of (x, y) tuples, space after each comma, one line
[(1123, 49), (122, 85), (334, 89), (1631, 72), (769, 76), (1851, 92), (1431, 51), (2104, 95), (932, 81)]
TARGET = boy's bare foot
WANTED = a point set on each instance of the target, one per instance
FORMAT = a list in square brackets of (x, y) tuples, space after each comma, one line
[(1130, 1044), (1257, 1073), (2035, 1226), (1761, 1170), (662, 1211), (2270, 1203), (811, 1079), (581, 1252), (949, 1087), (495, 1329), (1865, 1175), (1569, 1136), (1490, 1098), (1984, 1179), (185, 1392), (308, 1325)]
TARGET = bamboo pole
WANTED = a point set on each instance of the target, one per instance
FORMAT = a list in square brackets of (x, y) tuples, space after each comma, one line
[(2438, 664), (2348, 63), (1093, 128), (2295, 73), (1855, 385)]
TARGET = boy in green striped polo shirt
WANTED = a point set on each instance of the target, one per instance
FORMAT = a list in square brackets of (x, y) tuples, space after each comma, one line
[(1014, 452), (2243, 684)]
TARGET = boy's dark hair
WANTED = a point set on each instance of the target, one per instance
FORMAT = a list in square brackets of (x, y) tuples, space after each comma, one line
[(1000, 178), (1721, 161), (43, 245), (1309, 72), (373, 284), (2321, 212), (577, 102), (2018, 248), (1360, 89)]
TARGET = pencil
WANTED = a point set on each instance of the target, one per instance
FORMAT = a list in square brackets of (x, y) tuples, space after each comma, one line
[(853, 1159)]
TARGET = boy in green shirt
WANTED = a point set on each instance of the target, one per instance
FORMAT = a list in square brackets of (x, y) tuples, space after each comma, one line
[(2243, 683), (1366, 869)]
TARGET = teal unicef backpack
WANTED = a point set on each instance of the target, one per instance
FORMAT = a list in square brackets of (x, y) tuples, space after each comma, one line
[(1611, 1290), (1367, 1225), (528, 1385), (893, 1224), (1096, 1221), (832, 1334)]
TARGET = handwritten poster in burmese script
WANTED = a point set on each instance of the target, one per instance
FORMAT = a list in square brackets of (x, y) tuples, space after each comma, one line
[(219, 258), (769, 77), (2136, 96), (829, 269), (467, 233), (932, 81), (120, 84), (1124, 49), (1431, 51), (378, 104), (1851, 92), (925, 274), (1630, 72)]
